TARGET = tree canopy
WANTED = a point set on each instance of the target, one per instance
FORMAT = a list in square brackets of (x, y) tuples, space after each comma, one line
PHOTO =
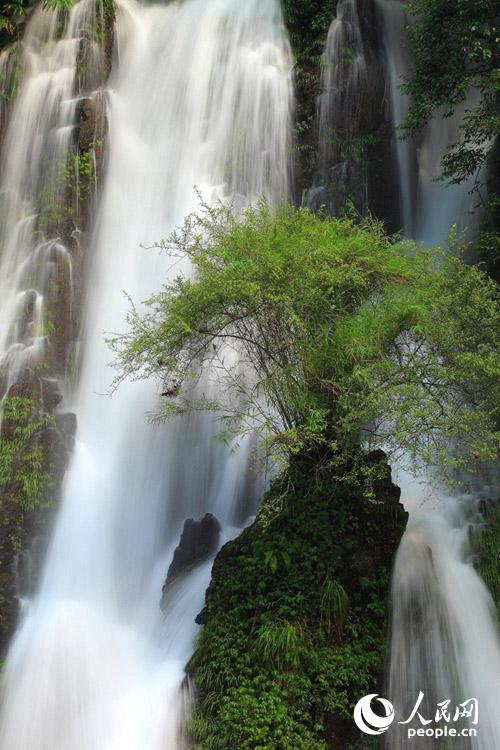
[(344, 337)]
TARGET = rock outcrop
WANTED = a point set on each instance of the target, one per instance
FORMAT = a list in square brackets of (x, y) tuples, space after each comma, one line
[(295, 621), (199, 540)]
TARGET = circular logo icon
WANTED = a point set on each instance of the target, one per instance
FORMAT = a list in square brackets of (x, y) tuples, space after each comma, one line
[(370, 722)]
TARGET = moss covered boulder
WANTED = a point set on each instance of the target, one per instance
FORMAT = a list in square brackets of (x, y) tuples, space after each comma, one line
[(296, 617)]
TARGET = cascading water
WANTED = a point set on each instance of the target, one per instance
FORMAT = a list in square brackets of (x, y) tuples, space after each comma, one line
[(443, 636), (346, 83), (429, 206), (444, 640), (201, 95), (38, 143)]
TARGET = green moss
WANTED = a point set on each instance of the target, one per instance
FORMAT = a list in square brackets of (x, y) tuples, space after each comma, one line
[(108, 9), (296, 616)]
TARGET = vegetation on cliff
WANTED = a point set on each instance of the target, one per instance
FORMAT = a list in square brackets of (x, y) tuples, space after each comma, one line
[(13, 15), (307, 22), (25, 483), (22, 466), (295, 617), (457, 68)]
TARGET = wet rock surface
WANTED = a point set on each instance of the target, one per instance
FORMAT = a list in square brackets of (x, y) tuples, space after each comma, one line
[(199, 540)]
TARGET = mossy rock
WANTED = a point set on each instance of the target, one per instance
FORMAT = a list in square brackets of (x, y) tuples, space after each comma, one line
[(296, 618)]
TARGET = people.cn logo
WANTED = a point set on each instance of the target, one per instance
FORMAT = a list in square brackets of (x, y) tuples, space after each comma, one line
[(370, 722)]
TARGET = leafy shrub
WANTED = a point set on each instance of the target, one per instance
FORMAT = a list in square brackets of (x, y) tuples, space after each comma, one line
[(280, 645)]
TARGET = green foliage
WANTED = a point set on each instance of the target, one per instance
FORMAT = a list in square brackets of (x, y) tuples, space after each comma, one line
[(22, 466), (74, 181), (107, 9), (488, 244), (11, 14), (270, 669), (334, 607), (455, 44), (79, 174), (10, 80), (280, 645), (61, 5), (486, 543), (314, 15), (307, 22), (350, 335)]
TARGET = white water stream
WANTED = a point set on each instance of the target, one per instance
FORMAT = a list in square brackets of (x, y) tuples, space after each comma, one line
[(200, 95), (346, 85)]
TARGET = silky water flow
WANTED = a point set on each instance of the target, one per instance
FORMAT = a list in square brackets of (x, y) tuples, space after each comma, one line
[(200, 95)]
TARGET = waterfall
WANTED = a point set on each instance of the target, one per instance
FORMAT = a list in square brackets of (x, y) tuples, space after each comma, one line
[(444, 640), (200, 95), (429, 207), (37, 147), (443, 636), (346, 81)]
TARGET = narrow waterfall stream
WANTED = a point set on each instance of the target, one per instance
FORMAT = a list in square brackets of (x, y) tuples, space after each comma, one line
[(200, 96), (345, 86), (444, 638), (429, 207)]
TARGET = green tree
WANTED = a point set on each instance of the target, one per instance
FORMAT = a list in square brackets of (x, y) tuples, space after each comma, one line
[(456, 51), (344, 337)]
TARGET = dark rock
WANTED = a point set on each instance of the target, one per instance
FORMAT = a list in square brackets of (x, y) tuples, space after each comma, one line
[(199, 540), (51, 395), (477, 560), (86, 133), (171, 387), (26, 314)]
